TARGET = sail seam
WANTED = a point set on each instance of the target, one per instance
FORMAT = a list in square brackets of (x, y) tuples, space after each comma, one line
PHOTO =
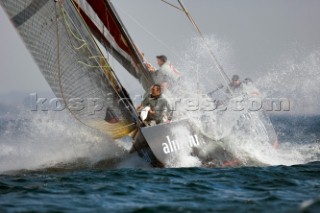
[(28, 12)]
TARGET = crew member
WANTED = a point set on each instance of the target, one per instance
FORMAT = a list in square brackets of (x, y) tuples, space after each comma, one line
[(235, 85), (160, 109), (250, 88), (166, 74)]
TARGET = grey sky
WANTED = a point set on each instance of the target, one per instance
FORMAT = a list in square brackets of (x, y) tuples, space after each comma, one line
[(259, 32)]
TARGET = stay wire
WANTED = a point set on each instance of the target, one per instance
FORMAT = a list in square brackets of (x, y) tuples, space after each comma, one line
[(214, 58), (172, 5)]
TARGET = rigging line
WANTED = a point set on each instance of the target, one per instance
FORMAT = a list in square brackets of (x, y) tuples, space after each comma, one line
[(132, 47), (59, 61), (150, 33), (172, 5), (215, 60), (57, 32), (118, 84), (114, 76), (68, 28), (154, 36)]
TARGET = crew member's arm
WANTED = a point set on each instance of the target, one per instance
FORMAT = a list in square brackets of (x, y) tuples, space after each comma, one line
[(143, 104), (165, 114), (169, 111), (139, 108), (152, 112), (255, 93), (166, 111), (151, 68)]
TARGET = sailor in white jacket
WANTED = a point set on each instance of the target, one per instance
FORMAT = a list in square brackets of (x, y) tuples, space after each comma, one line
[(166, 72)]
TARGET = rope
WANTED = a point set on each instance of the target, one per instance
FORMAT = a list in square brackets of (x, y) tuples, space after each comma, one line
[(59, 62), (95, 66), (118, 86), (59, 68), (172, 5), (213, 57), (68, 28), (84, 43), (150, 33), (225, 78), (154, 36)]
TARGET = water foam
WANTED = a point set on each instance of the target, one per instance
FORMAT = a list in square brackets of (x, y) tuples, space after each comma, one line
[(299, 81), (36, 140), (41, 140), (296, 78)]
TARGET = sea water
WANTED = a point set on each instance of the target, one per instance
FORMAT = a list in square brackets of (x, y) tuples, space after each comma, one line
[(51, 163)]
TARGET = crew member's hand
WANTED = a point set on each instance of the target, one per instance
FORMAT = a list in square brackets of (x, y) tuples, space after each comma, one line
[(165, 119), (152, 112), (255, 94), (139, 108), (150, 67)]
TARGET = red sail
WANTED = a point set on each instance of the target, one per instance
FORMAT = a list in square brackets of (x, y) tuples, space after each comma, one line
[(106, 25), (109, 21)]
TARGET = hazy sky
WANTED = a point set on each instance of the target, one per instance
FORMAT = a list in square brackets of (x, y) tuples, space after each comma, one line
[(258, 31)]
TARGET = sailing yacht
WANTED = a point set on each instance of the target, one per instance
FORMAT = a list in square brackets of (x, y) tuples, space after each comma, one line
[(62, 37)]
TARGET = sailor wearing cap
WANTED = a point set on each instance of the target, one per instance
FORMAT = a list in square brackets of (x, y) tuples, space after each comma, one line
[(235, 85), (166, 73)]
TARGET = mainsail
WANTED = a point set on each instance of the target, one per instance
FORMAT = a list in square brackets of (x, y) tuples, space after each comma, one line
[(106, 25), (72, 63)]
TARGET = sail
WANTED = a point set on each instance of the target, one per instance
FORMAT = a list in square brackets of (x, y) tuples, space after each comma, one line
[(71, 62), (106, 25)]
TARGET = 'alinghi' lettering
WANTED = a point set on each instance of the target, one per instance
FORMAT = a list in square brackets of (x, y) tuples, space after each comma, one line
[(172, 146)]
